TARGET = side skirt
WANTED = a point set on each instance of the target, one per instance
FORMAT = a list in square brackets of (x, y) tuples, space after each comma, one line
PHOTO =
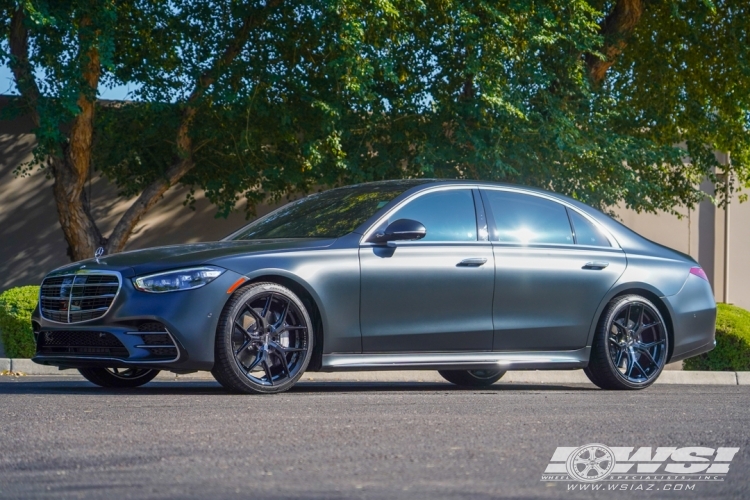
[(536, 360)]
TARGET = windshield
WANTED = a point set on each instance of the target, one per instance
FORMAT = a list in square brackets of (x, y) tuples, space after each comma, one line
[(330, 214)]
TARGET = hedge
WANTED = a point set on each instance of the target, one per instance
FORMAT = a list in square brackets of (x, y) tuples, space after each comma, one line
[(16, 306), (732, 351)]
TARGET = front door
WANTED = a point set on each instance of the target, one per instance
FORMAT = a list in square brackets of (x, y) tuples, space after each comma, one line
[(433, 294)]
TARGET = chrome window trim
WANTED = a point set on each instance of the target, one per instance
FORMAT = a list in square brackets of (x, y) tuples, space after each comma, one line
[(79, 272), (363, 240), (569, 206), (612, 241)]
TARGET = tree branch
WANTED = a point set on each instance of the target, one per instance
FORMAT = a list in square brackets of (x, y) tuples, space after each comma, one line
[(616, 28), (20, 65), (184, 163)]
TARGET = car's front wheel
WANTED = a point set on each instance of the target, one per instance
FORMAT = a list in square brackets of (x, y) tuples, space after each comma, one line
[(630, 346), (472, 378), (120, 378), (264, 341)]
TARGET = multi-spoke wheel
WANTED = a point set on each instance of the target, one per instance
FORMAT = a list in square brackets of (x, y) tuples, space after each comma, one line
[(472, 378), (119, 377), (264, 340), (631, 345)]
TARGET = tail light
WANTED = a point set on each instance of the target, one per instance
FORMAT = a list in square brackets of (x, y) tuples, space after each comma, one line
[(698, 271)]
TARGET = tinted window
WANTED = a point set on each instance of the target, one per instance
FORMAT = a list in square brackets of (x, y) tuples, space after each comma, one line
[(526, 219), (330, 214), (447, 215), (586, 232)]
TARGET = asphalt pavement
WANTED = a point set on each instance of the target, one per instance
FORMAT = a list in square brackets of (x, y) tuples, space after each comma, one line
[(62, 437)]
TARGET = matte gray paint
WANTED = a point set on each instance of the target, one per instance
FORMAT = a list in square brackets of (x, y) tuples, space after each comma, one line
[(545, 297), (417, 297), (407, 304)]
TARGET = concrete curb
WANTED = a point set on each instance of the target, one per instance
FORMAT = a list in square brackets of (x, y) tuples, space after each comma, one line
[(674, 377)]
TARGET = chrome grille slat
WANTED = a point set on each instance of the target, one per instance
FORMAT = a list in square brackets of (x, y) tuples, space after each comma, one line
[(78, 297)]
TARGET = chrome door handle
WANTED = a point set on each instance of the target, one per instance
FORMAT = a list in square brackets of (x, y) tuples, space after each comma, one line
[(595, 265), (473, 262)]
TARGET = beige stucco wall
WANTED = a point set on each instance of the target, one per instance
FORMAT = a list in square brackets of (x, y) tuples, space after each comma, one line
[(32, 243), (700, 233)]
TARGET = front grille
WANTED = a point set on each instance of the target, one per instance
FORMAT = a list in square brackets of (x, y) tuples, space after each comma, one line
[(81, 343), (72, 298)]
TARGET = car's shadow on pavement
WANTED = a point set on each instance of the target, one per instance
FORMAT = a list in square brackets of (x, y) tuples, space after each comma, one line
[(207, 387)]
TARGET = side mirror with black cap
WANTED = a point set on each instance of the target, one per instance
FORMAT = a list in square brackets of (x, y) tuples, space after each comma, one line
[(400, 230)]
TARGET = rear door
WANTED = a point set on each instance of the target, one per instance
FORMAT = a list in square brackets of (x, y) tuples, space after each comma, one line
[(553, 266)]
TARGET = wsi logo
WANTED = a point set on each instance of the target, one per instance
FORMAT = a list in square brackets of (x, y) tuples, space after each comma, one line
[(597, 462)]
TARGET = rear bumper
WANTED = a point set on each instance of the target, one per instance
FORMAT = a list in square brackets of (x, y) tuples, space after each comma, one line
[(190, 318), (693, 312)]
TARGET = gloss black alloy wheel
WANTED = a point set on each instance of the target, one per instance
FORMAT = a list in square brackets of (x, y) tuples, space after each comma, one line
[(631, 345), (472, 378), (119, 377), (264, 340)]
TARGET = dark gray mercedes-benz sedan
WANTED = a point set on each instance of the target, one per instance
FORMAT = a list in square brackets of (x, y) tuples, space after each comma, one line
[(468, 278)]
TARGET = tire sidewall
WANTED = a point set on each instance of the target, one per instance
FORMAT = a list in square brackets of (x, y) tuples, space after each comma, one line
[(104, 378), (224, 337), (612, 311)]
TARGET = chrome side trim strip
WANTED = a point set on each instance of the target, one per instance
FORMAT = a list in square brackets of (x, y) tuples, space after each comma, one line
[(540, 360)]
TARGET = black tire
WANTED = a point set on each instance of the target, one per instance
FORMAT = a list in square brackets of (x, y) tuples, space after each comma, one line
[(472, 378), (119, 378), (621, 358), (264, 340)]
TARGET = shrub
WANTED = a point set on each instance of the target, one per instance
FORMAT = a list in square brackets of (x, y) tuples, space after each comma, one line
[(732, 351), (16, 306)]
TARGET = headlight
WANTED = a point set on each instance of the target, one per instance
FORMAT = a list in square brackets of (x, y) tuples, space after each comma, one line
[(181, 279)]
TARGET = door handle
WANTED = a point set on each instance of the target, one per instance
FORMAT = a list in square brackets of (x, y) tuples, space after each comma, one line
[(595, 265), (473, 262)]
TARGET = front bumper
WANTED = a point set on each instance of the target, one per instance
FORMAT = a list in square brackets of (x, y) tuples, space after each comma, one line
[(190, 318), (693, 312)]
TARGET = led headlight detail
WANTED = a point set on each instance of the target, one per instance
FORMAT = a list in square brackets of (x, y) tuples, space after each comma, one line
[(180, 279)]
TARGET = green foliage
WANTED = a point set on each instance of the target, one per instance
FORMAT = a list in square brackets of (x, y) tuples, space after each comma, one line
[(16, 306), (331, 92), (684, 78), (732, 352)]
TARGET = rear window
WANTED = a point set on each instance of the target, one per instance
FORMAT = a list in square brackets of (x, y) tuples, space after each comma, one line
[(527, 220)]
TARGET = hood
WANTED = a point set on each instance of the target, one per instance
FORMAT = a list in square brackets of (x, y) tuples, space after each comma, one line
[(152, 260)]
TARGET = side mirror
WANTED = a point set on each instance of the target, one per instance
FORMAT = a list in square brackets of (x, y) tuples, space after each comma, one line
[(398, 230)]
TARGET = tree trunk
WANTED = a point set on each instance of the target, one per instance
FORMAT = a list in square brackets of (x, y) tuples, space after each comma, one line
[(72, 169), (616, 28)]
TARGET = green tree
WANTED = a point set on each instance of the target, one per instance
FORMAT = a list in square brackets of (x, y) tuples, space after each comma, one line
[(602, 100)]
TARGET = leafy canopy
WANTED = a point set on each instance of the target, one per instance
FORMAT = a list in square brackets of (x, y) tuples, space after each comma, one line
[(332, 92)]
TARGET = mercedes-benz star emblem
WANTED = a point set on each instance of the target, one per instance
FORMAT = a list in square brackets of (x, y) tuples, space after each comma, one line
[(99, 252)]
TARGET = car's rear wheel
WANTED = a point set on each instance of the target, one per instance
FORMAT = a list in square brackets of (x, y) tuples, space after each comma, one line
[(264, 341), (119, 378), (631, 345), (472, 378)]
